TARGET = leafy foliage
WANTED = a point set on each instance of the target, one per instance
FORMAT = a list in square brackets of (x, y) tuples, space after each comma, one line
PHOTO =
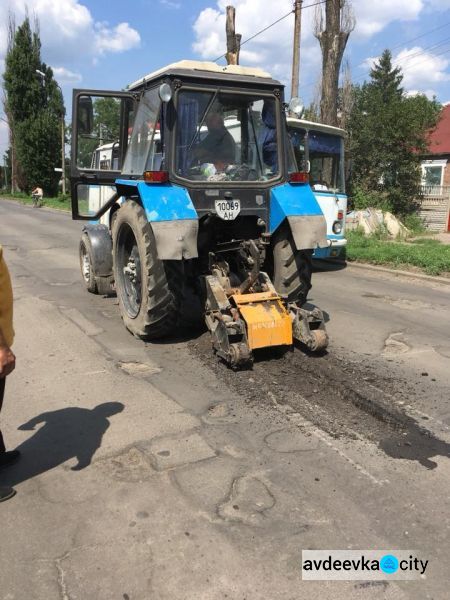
[(387, 133), (107, 118), (106, 129), (34, 106)]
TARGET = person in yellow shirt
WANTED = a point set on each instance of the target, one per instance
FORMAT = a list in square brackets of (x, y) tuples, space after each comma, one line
[(7, 361)]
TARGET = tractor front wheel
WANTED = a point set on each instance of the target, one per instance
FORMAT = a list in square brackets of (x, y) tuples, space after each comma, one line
[(292, 268)]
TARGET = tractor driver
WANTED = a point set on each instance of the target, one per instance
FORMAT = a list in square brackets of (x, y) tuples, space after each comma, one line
[(218, 147)]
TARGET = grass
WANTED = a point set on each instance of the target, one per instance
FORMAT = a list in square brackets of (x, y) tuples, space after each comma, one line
[(60, 202), (429, 255)]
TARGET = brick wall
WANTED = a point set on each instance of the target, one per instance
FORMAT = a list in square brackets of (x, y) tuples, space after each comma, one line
[(447, 174)]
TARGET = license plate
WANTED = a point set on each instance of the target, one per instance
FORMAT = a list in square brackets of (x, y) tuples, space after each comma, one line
[(228, 210)]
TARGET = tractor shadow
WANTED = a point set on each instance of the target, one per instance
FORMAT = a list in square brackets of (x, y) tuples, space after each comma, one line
[(183, 335), (329, 266)]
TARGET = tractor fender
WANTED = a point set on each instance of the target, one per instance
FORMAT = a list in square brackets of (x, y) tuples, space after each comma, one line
[(171, 214), (101, 245), (297, 204)]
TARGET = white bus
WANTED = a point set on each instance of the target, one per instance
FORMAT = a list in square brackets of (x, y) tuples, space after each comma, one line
[(319, 149)]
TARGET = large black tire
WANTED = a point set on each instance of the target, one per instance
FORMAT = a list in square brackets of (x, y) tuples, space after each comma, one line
[(87, 270), (292, 268), (150, 306), (93, 283)]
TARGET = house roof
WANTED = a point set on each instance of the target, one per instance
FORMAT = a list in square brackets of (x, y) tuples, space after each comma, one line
[(439, 137)]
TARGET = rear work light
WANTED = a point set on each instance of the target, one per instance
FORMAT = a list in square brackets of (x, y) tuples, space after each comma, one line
[(156, 176), (299, 177)]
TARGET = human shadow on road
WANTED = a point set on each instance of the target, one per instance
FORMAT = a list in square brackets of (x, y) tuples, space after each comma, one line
[(66, 434)]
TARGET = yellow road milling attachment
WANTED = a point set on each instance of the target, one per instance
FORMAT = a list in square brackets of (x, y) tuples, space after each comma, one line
[(252, 315)]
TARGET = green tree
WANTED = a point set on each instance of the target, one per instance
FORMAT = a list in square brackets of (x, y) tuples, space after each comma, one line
[(34, 105), (107, 119), (387, 133), (106, 129)]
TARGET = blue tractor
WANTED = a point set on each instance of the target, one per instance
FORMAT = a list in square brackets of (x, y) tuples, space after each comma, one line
[(193, 203)]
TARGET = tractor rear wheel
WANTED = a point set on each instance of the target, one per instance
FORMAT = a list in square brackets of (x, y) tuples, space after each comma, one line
[(292, 268), (87, 270), (149, 290)]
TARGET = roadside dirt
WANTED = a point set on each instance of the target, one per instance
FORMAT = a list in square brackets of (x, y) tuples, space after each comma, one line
[(343, 398)]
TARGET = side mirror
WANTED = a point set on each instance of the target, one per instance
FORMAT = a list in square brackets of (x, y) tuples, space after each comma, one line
[(305, 166), (85, 115)]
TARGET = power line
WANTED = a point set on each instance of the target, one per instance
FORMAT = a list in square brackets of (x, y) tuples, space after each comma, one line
[(407, 58), (410, 65), (420, 36), (271, 25), (421, 61)]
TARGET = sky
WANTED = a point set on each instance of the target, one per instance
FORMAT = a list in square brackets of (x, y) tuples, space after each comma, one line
[(107, 44)]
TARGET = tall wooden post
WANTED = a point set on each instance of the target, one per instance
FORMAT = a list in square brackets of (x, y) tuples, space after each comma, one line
[(233, 38), (296, 53)]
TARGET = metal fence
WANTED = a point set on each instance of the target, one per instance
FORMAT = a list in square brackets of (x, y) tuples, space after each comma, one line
[(434, 207)]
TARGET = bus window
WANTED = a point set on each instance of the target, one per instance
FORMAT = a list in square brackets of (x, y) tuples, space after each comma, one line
[(325, 156), (298, 138)]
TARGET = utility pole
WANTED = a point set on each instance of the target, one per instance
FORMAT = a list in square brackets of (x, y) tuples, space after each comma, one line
[(296, 55), (63, 146), (11, 156), (233, 38)]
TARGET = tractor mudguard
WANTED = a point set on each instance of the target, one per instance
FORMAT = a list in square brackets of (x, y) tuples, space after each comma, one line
[(170, 212), (101, 244), (297, 204)]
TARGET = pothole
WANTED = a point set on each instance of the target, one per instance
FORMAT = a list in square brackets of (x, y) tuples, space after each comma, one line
[(394, 345), (139, 369), (248, 501), (132, 466)]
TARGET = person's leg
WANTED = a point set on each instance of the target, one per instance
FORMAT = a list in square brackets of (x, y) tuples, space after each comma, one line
[(5, 492), (2, 393), (10, 457)]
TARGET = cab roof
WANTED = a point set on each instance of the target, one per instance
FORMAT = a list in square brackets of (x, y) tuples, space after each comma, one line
[(207, 70)]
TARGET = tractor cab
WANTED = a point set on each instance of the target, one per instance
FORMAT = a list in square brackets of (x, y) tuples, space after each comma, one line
[(195, 160)]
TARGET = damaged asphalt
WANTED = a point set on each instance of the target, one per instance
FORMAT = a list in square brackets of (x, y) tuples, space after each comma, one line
[(152, 471)]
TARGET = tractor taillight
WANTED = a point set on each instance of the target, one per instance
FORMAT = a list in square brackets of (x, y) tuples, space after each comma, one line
[(299, 177), (156, 176), (340, 215)]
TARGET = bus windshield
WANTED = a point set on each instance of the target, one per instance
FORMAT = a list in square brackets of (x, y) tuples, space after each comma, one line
[(324, 151)]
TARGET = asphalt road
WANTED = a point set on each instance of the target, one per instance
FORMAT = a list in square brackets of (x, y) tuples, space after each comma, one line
[(151, 471)]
